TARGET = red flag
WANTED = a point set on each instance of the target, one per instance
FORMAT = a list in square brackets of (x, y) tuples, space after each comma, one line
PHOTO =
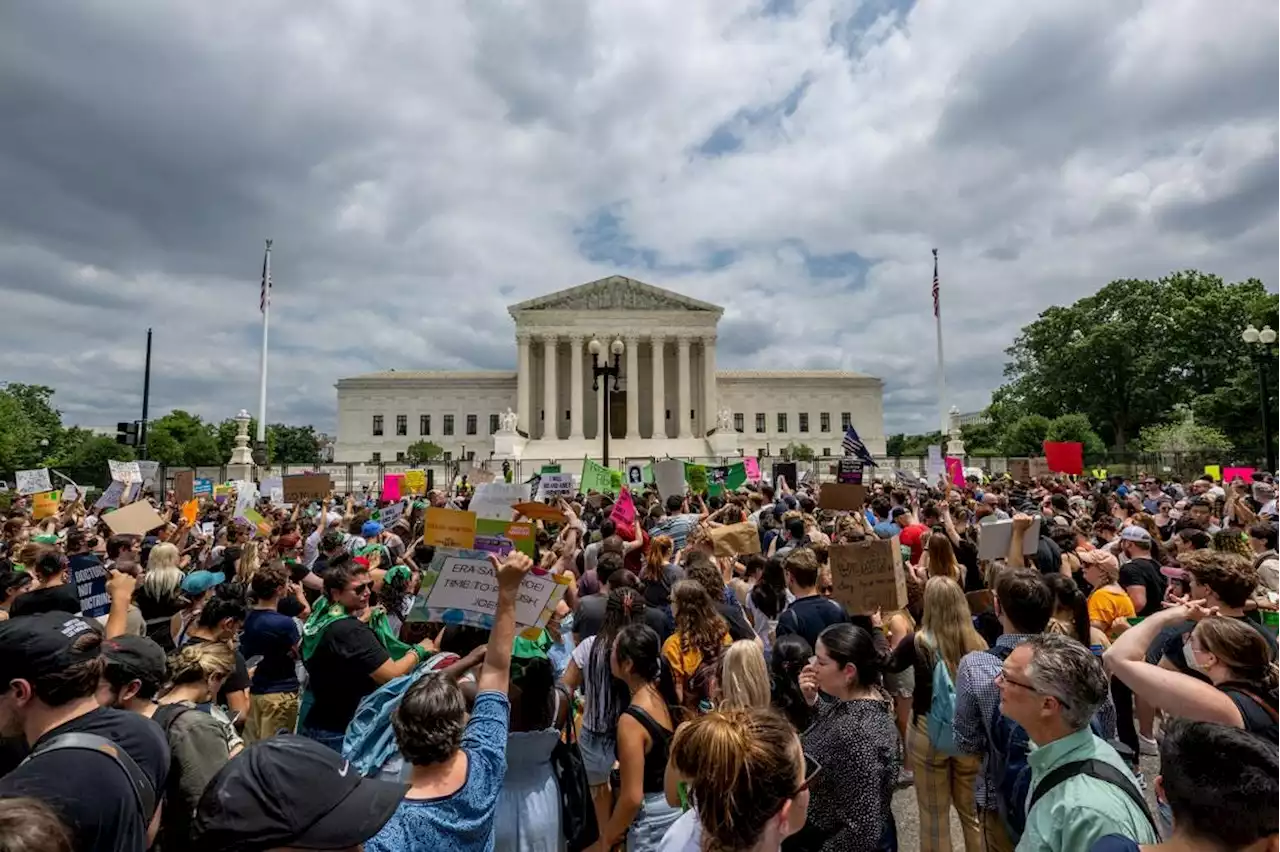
[(1064, 456)]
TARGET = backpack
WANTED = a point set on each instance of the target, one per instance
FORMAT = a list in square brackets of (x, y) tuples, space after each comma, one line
[(941, 719), (1258, 712), (175, 826), (1101, 770), (144, 793)]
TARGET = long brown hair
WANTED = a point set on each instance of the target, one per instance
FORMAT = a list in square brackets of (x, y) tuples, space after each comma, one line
[(1240, 648), (658, 557), (698, 624), (742, 766), (942, 557)]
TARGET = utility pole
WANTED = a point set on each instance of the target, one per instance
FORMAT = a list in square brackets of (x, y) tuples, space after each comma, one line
[(146, 397)]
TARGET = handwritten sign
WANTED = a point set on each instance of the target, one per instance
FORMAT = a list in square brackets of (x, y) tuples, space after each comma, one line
[(495, 499), (390, 513), (124, 471), (868, 575), (134, 519), (554, 485), (449, 528), (305, 487), (34, 481), (44, 505), (90, 579), (71, 493), (184, 485), (460, 587)]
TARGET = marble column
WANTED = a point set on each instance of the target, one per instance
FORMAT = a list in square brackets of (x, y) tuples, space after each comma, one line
[(575, 386), (632, 378), (658, 342), (549, 344), (683, 387), (710, 411), (524, 383)]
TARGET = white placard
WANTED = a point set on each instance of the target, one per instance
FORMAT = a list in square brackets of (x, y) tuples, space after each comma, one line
[(34, 481), (555, 485), (147, 470), (465, 583), (994, 538), (934, 466), (273, 487), (207, 528), (125, 471), (70, 494), (668, 475), (388, 515), (246, 497), (493, 500)]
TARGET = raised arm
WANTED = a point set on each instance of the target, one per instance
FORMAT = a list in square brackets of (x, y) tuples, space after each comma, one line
[(495, 673)]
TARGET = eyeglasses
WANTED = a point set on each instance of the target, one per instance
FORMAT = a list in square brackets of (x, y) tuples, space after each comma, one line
[(1003, 677), (811, 770), (361, 588)]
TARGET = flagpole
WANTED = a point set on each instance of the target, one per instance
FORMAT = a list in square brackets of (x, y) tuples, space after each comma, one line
[(942, 376), (266, 320)]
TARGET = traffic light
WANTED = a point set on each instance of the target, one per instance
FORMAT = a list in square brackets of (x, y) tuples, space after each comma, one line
[(127, 434)]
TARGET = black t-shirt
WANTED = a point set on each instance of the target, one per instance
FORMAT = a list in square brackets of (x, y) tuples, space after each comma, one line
[(88, 791), (49, 599), (733, 614), (272, 637), (809, 616), (588, 618), (238, 680), (340, 669), (1146, 573)]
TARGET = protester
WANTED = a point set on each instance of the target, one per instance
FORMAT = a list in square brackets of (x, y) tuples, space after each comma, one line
[(272, 639), (134, 670), (51, 591), (220, 620), (743, 679), (159, 596), (809, 613), (790, 656), (694, 650)]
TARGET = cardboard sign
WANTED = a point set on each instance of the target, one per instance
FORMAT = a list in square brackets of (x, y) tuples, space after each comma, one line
[(995, 537), (184, 485), (44, 505), (33, 481), (787, 469), (849, 471), (1039, 468), (668, 475), (494, 500), (124, 471), (415, 482), (450, 528), (1020, 470), (868, 575), (305, 487), (752, 466), (460, 587), (842, 497), (736, 539), (135, 519), (189, 511), (90, 579), (555, 485), (202, 488), (541, 512)]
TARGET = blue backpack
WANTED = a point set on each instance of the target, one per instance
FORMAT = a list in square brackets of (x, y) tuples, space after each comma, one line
[(940, 722)]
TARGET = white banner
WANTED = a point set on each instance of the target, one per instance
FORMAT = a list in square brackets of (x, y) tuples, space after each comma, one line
[(34, 481)]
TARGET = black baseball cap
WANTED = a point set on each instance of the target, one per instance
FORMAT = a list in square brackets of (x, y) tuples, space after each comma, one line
[(140, 655), (291, 791), (32, 646)]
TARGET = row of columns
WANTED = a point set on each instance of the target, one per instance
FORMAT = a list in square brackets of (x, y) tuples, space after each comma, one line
[(550, 343)]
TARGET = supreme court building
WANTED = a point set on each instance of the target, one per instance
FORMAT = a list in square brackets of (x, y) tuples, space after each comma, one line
[(671, 398)]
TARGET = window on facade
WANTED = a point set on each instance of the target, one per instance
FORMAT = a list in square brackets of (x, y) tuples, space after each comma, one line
[(471, 424), (782, 422), (493, 424), (667, 414), (804, 421), (376, 458), (399, 456), (471, 455), (424, 424), (739, 422), (402, 424), (846, 420), (824, 421), (826, 451), (760, 427), (377, 424), (448, 456), (448, 424)]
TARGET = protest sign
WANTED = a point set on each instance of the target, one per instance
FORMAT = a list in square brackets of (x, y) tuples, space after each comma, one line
[(668, 474), (696, 476), (272, 487), (71, 493), (736, 539), (246, 497), (496, 500), (415, 482), (842, 497), (1231, 474), (305, 487), (868, 576), (994, 538), (44, 505), (549, 468), (450, 528), (190, 509), (955, 470), (1039, 468), (540, 512), (110, 497), (202, 488), (635, 473), (124, 471), (499, 545), (624, 513), (752, 467), (849, 471), (934, 467), (391, 486), (135, 519), (480, 476), (555, 485), (461, 587), (260, 525), (184, 485), (147, 471), (1020, 470), (34, 481), (1099, 473), (787, 469), (208, 527), (90, 579), (724, 478), (1214, 471), (596, 477), (519, 533), (390, 513), (1064, 456)]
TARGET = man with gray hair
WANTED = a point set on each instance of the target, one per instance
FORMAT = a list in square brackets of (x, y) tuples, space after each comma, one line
[(1081, 789)]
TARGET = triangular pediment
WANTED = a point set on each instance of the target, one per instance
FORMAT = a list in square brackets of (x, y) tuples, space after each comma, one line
[(615, 293)]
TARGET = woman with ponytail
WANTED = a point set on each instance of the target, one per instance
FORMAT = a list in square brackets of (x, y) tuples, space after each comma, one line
[(748, 781), (1071, 614)]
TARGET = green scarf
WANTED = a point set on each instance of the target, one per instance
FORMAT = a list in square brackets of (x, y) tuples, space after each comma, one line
[(322, 617)]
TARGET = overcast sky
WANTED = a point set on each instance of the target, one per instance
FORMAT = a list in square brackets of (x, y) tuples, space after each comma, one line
[(422, 165)]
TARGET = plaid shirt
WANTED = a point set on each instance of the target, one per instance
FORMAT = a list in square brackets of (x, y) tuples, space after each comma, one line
[(978, 709)]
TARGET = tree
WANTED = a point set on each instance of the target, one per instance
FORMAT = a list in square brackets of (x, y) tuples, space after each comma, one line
[(797, 452), (84, 456), (1075, 427), (293, 444), (1026, 436), (420, 452), (912, 445), (225, 435), (27, 418), (1183, 435)]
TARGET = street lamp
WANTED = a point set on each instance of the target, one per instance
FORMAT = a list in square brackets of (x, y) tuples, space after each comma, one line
[(608, 371), (1260, 350)]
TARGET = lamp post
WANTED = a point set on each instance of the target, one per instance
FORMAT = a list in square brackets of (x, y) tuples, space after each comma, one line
[(609, 372), (1260, 350)]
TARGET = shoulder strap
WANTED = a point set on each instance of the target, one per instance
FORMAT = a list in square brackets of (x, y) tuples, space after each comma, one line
[(143, 792), (1099, 769), (167, 714), (1000, 653), (1265, 705)]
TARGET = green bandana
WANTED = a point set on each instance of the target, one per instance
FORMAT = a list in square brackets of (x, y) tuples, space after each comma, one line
[(322, 617), (45, 538)]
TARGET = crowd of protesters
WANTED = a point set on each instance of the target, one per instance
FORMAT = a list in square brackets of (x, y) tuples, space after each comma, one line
[(266, 687)]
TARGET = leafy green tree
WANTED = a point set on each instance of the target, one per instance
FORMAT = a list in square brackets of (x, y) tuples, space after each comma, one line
[(420, 452), (84, 456), (799, 452), (1075, 427), (1026, 436), (293, 444), (27, 418), (1183, 435)]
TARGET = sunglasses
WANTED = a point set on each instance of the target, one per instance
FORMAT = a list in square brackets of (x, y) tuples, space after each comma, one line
[(811, 770), (361, 588)]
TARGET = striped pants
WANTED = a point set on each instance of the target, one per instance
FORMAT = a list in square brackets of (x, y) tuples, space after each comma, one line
[(943, 780)]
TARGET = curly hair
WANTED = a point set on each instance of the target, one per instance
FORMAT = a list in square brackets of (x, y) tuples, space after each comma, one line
[(1228, 575), (697, 622)]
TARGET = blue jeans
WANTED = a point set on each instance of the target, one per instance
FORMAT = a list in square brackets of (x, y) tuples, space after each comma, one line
[(332, 739)]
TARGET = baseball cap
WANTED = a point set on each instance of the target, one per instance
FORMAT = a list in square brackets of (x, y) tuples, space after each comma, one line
[(32, 646), (1135, 533), (139, 654), (1098, 557), (370, 529), (895, 512), (1173, 572), (291, 791), (199, 582)]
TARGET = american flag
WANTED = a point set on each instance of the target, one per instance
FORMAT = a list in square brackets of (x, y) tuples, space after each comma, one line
[(265, 296), (935, 282), (853, 446)]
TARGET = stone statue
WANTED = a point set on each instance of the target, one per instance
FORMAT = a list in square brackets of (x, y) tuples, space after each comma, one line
[(724, 420), (507, 421)]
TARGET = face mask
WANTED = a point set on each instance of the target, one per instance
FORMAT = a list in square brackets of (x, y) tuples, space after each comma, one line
[(1189, 656)]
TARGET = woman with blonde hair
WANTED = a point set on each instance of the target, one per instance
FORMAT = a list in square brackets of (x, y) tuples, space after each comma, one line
[(943, 775), (159, 596), (748, 780), (744, 678)]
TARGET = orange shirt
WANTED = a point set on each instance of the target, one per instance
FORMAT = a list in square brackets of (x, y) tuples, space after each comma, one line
[(1105, 606)]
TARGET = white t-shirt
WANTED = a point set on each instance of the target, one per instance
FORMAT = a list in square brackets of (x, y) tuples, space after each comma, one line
[(684, 835)]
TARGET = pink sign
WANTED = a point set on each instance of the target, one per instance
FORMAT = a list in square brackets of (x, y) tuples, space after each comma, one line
[(391, 486), (753, 468), (624, 512), (955, 468), (1231, 473)]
